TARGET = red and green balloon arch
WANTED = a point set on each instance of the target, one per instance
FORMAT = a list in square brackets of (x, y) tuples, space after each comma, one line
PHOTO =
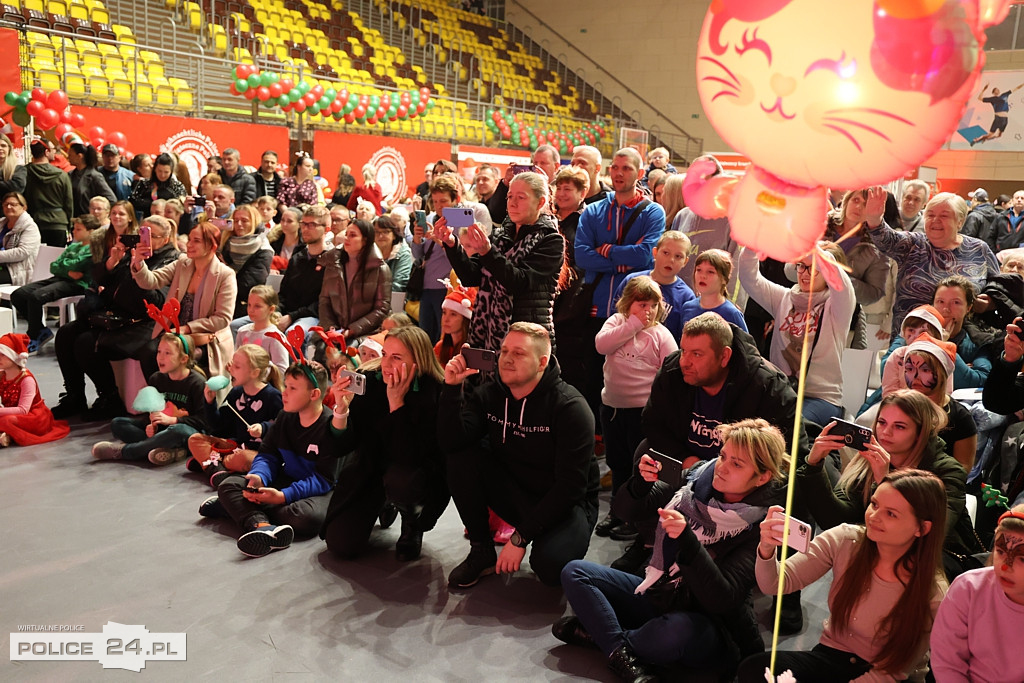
[(54, 117), (273, 90), (506, 126)]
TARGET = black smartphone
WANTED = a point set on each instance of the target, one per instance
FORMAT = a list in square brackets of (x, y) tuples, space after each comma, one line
[(521, 168), (1019, 322), (483, 360), (129, 241), (855, 436), (671, 471), (252, 489)]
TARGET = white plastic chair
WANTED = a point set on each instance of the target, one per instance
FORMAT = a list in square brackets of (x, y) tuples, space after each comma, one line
[(40, 271)]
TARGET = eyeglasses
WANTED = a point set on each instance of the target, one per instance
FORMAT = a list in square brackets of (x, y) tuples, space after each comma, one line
[(11, 205), (802, 267), (308, 224)]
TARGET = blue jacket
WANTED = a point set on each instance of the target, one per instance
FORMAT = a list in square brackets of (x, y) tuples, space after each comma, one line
[(120, 181), (599, 225)]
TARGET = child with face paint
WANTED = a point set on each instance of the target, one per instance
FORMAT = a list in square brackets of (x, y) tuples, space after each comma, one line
[(975, 632)]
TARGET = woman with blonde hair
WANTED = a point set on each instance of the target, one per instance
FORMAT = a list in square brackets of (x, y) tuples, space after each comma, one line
[(369, 191), (672, 197), (12, 174), (245, 248), (391, 439)]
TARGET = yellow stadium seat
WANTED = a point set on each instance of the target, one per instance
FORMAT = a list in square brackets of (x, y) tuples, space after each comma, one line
[(99, 15), (165, 96), (75, 85), (121, 89), (49, 79), (124, 34), (99, 89), (36, 5), (145, 92)]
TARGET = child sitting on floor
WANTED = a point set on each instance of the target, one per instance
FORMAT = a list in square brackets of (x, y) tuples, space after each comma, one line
[(289, 485), (251, 407), (24, 418), (161, 435)]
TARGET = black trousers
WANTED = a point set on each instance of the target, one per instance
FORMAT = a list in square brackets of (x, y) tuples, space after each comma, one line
[(306, 515), (75, 348), (29, 299), (821, 665), (477, 483)]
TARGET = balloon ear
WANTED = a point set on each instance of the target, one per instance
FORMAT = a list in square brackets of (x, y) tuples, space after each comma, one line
[(705, 192)]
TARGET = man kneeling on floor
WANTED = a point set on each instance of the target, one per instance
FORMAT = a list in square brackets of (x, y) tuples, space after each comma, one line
[(523, 444)]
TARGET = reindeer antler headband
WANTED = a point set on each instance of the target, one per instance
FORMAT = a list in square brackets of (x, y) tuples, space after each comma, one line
[(296, 337), (168, 316)]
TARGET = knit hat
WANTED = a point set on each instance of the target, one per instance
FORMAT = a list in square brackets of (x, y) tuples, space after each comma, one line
[(461, 301), (15, 347), (930, 315), (944, 351)]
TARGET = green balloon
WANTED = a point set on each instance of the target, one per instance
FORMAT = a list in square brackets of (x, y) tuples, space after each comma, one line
[(414, 96), (11, 98), (241, 85), (313, 109), (283, 100), (270, 103), (304, 87), (21, 117), (430, 104), (265, 78), (353, 99), (374, 101), (253, 81), (331, 94), (23, 100), (295, 95), (325, 102), (392, 111)]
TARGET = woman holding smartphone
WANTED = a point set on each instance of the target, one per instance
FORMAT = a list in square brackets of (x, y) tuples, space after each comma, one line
[(391, 439), (886, 586), (905, 436), (518, 268)]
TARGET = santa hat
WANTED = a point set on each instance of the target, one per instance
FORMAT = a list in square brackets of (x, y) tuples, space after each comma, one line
[(375, 342), (944, 351), (930, 315), (461, 301), (15, 347)]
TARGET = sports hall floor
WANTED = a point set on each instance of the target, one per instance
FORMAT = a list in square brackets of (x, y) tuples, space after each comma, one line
[(86, 542)]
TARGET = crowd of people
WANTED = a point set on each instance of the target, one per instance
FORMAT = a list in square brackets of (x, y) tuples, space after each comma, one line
[(330, 365)]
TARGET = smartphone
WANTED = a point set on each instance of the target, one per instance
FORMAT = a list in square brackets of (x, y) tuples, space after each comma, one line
[(1019, 322), (358, 384), (129, 241), (483, 360), (671, 469), (458, 218), (522, 168), (799, 532), (421, 220), (145, 238), (855, 436), (252, 489)]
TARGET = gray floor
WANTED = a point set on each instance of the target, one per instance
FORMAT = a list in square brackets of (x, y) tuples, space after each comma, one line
[(89, 542)]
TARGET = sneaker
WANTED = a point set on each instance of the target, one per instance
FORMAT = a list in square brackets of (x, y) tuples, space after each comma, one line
[(45, 337), (193, 465), (217, 477), (480, 562), (634, 559), (265, 539), (107, 450), (605, 526), (410, 541), (624, 532), (165, 456), (69, 406), (212, 508), (388, 515), (569, 630)]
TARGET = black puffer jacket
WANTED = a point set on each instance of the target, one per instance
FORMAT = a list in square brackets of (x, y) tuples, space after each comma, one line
[(979, 223), (524, 264)]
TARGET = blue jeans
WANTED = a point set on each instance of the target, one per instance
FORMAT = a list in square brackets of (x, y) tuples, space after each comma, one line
[(132, 430), (604, 601), (430, 312), (819, 411)]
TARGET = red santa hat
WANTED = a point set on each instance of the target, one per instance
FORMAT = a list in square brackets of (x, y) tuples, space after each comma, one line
[(15, 347), (930, 315), (461, 301), (944, 351), (375, 342)]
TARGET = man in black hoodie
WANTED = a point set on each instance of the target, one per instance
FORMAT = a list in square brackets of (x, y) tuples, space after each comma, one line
[(521, 443), (49, 196)]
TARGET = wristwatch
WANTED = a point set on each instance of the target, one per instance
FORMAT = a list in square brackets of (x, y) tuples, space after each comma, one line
[(517, 540)]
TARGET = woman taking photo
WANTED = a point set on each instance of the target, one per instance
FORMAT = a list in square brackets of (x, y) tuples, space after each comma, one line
[(356, 295), (699, 612), (160, 185), (905, 436), (207, 292), (886, 586), (246, 250), (390, 241), (517, 268), (391, 438), (112, 323), (300, 187)]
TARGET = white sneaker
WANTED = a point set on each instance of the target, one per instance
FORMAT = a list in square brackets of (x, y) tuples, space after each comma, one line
[(107, 450), (165, 456)]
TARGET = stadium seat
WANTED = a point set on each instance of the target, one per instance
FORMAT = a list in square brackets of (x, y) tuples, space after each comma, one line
[(49, 79), (121, 88), (75, 85)]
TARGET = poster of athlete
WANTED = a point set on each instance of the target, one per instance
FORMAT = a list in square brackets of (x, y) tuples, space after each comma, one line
[(994, 118)]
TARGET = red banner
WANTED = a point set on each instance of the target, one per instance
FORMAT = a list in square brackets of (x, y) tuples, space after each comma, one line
[(10, 77)]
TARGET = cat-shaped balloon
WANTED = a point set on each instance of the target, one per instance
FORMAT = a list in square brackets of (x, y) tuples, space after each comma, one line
[(827, 94)]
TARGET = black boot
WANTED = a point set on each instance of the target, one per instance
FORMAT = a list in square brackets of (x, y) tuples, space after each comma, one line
[(387, 515), (410, 541), (625, 664), (791, 620), (570, 630), (634, 559), (69, 405)]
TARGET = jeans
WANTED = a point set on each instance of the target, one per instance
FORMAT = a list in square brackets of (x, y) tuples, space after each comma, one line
[(430, 312), (305, 515), (604, 601), (623, 431), (821, 665), (819, 411), (132, 430), (29, 299)]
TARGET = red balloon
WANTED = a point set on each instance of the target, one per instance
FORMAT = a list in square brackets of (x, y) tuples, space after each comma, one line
[(97, 143), (372, 120), (78, 120), (350, 117), (420, 107), (232, 89), (337, 105), (35, 107), (381, 112), (275, 89), (243, 70), (402, 111), (118, 138), (360, 110), (66, 116), (393, 118), (309, 98), (405, 99), (57, 100), (39, 95), (343, 95), (250, 94), (299, 106), (286, 85), (318, 91), (424, 91), (263, 93), (61, 129), (47, 119), (364, 101)]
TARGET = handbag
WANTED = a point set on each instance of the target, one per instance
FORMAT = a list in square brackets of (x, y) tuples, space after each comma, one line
[(414, 287), (110, 320)]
